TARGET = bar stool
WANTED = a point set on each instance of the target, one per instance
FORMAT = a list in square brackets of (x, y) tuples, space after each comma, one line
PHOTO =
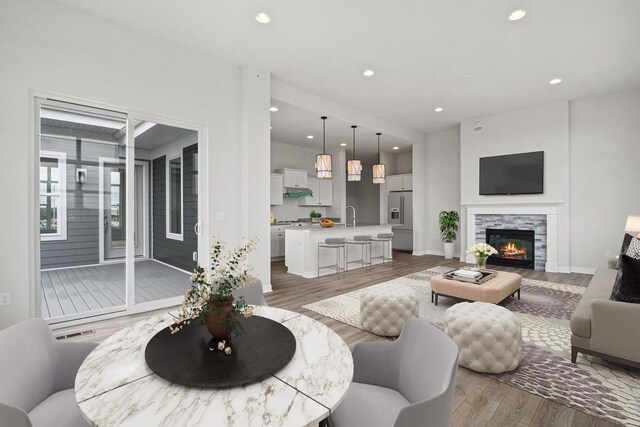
[(385, 239), (338, 244), (365, 243)]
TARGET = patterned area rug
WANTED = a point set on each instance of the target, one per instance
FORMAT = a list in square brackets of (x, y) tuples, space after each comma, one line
[(605, 390)]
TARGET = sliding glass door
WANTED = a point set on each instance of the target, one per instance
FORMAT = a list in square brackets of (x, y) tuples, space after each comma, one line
[(118, 211)]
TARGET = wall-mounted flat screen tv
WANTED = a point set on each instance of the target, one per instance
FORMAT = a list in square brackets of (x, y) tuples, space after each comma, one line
[(512, 174)]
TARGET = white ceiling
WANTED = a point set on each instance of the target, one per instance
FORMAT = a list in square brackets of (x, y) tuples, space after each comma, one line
[(463, 55), (292, 124)]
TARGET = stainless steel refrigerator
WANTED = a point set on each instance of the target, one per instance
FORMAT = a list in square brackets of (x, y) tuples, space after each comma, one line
[(400, 216)]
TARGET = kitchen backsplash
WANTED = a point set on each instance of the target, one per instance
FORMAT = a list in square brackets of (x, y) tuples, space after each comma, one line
[(291, 211)]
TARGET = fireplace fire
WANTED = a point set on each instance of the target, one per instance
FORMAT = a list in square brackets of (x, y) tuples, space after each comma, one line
[(511, 251), (516, 248)]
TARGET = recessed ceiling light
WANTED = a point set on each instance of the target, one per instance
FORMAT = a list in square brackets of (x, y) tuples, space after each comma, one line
[(396, 148), (309, 136), (517, 14), (368, 73), (555, 81), (263, 18), (344, 144), (273, 109), (438, 109)]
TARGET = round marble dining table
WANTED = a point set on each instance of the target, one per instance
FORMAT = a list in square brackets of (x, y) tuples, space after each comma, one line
[(114, 386)]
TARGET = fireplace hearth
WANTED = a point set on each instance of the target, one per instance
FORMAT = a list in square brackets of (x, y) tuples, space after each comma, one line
[(516, 248)]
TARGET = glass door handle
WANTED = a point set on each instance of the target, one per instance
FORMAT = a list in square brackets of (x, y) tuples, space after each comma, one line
[(106, 224), (196, 228)]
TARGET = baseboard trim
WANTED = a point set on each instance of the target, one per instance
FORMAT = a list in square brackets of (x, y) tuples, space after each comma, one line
[(583, 270), (266, 287)]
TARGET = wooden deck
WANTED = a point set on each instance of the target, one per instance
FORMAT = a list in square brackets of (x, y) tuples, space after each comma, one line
[(76, 290)]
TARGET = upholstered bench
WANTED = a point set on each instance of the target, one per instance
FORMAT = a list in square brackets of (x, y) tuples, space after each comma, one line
[(385, 309), (489, 336), (494, 290)]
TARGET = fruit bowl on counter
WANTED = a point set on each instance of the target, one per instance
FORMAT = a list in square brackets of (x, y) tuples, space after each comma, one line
[(327, 223)]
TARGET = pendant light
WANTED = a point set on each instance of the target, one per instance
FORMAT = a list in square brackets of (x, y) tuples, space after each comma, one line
[(379, 168), (323, 161), (354, 167)]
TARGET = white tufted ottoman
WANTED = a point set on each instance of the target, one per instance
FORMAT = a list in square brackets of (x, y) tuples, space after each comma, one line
[(489, 336), (385, 309)]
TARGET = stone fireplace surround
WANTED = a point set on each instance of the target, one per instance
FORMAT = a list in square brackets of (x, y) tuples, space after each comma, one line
[(537, 223), (542, 219)]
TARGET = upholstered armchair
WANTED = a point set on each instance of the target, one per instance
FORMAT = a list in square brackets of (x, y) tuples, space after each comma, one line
[(252, 294), (37, 376), (409, 382)]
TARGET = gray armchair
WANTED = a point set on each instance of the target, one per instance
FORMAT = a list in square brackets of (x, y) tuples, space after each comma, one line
[(409, 382), (37, 376), (252, 294)]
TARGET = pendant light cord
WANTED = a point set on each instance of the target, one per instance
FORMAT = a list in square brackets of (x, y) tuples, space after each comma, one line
[(354, 141), (324, 143), (378, 146)]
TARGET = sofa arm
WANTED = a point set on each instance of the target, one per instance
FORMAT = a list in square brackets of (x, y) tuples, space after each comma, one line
[(615, 329), (69, 357), (376, 363), (14, 417)]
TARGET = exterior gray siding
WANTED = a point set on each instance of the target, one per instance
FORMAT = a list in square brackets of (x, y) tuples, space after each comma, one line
[(174, 252), (82, 245)]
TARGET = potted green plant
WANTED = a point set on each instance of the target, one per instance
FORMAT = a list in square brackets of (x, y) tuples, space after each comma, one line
[(315, 216), (449, 221)]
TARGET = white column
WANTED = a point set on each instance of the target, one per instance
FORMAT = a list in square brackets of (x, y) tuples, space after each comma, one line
[(420, 214), (255, 142)]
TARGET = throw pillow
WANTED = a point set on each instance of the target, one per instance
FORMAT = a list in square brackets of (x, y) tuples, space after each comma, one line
[(633, 250), (627, 286), (625, 243)]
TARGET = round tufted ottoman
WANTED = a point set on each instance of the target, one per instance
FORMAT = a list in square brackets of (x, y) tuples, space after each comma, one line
[(385, 309), (489, 336)]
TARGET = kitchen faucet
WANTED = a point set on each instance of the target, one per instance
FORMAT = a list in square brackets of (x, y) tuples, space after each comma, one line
[(354, 216)]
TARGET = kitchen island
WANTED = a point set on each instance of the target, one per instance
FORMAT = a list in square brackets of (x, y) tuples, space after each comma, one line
[(301, 247)]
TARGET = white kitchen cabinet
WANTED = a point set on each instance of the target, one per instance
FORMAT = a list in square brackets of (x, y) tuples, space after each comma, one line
[(325, 197), (322, 190), (277, 242), (295, 178), (277, 189), (400, 182)]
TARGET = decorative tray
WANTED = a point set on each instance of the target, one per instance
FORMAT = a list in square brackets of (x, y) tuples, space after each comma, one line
[(486, 275)]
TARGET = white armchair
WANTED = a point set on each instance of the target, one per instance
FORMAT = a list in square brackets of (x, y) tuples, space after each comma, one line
[(37, 377), (405, 383)]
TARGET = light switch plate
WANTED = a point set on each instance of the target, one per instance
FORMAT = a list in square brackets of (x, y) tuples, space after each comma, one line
[(195, 256), (5, 298)]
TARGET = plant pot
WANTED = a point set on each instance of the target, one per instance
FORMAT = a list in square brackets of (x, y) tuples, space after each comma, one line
[(448, 250), (221, 319)]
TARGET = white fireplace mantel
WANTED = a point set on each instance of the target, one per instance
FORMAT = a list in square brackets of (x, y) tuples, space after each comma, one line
[(551, 213)]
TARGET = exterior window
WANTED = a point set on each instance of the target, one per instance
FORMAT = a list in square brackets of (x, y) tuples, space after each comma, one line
[(174, 198), (53, 204)]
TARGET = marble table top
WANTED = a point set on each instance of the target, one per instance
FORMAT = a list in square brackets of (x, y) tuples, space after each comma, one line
[(114, 386)]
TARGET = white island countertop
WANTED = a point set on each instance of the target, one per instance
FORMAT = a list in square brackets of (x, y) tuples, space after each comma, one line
[(301, 247)]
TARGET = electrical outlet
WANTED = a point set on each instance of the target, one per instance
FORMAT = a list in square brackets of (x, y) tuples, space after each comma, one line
[(5, 298), (195, 256)]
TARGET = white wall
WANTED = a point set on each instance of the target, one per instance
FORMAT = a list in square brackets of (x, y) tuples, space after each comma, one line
[(46, 46), (605, 173), (443, 184), (404, 163), (543, 128)]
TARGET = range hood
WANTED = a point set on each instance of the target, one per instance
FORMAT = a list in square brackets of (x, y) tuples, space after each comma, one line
[(297, 192)]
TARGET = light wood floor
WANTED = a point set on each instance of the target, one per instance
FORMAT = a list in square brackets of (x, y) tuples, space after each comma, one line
[(479, 400)]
